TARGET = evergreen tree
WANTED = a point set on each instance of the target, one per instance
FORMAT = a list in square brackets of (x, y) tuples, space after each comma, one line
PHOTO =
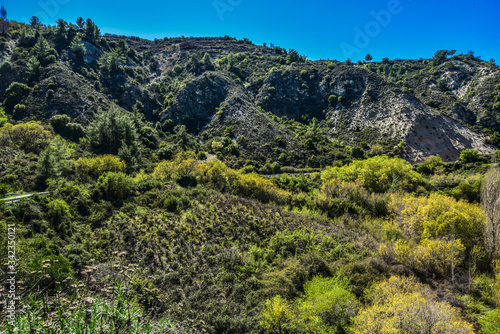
[(207, 61), (231, 61), (368, 57), (34, 22), (92, 33), (80, 23), (54, 160), (78, 48), (111, 130), (61, 33), (33, 67), (3, 13)]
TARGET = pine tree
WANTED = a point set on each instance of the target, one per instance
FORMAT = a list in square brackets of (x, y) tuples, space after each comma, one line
[(78, 48), (207, 61), (3, 13), (35, 22)]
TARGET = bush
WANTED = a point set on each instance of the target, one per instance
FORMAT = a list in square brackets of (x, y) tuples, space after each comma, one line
[(469, 156), (491, 322), (93, 168), (378, 174), (332, 100), (115, 186), (30, 137), (19, 109), (402, 305), (15, 93), (326, 307)]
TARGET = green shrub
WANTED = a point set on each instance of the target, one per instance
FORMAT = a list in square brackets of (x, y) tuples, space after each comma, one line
[(115, 186), (469, 155), (378, 174), (15, 93), (491, 322)]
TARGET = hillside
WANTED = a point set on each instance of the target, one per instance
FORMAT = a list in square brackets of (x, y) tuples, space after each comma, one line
[(210, 185), (260, 98)]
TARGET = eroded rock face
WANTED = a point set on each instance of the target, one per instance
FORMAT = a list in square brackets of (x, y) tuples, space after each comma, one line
[(197, 102), (92, 52)]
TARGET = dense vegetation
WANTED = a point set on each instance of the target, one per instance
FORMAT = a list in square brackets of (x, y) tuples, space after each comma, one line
[(151, 226)]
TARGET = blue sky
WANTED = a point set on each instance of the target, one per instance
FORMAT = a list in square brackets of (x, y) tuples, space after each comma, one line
[(318, 29)]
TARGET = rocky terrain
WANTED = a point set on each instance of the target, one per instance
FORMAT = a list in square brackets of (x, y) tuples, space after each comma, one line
[(263, 100)]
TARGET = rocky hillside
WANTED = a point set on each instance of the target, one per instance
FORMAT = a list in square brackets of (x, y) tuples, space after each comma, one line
[(255, 103)]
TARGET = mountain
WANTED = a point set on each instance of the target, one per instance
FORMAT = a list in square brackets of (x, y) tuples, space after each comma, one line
[(263, 104)]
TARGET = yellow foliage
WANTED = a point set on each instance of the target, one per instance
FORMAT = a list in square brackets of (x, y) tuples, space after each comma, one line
[(184, 164), (276, 313), (377, 174), (99, 165), (254, 185), (439, 216), (434, 254), (31, 136), (402, 305), (217, 175)]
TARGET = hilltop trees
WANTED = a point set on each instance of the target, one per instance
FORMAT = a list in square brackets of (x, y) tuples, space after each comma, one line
[(3, 13)]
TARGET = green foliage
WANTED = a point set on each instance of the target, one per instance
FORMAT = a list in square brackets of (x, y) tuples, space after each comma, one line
[(430, 165), (112, 130), (78, 48), (15, 93), (441, 216), (44, 52), (441, 55), (378, 174), (33, 67), (114, 186), (332, 100), (92, 33), (207, 61), (29, 137), (54, 160), (112, 61), (326, 307), (469, 156), (231, 62), (490, 324)]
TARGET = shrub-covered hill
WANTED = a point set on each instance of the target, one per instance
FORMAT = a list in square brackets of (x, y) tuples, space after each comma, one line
[(155, 217), (258, 103), (196, 247)]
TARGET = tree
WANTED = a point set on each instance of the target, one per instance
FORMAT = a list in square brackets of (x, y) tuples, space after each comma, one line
[(368, 57), (61, 33), (80, 23), (276, 314), (33, 67), (231, 61), (207, 61), (441, 55), (402, 305), (490, 199), (92, 33), (54, 160), (78, 48), (34, 22), (111, 130), (3, 13)]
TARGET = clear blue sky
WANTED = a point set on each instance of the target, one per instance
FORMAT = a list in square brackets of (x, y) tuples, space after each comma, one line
[(316, 28)]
